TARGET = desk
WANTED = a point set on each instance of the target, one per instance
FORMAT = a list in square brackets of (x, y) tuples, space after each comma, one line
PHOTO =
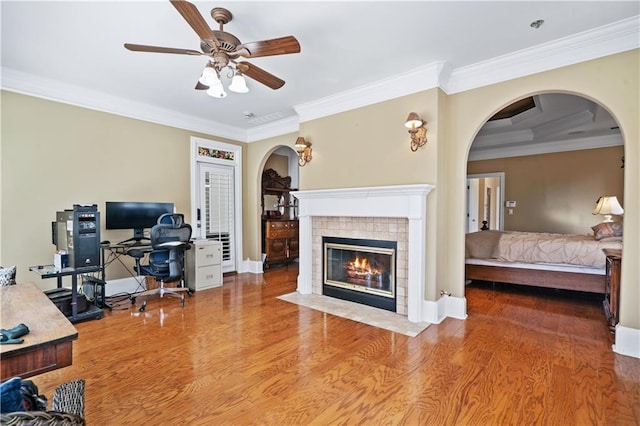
[(49, 343), (123, 249), (50, 271)]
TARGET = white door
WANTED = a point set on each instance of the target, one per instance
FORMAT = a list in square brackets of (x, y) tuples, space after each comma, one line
[(215, 212), (493, 212), (472, 206)]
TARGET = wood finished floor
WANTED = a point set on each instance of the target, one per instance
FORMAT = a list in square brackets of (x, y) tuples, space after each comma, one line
[(237, 355)]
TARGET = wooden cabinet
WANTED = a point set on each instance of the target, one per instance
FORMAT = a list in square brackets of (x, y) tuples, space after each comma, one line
[(280, 240), (204, 265), (279, 219), (611, 301)]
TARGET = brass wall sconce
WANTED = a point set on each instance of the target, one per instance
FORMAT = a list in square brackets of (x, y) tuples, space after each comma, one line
[(303, 148), (417, 130)]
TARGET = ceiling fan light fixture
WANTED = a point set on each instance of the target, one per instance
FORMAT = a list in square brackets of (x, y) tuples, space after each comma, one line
[(209, 76), (217, 91), (238, 84)]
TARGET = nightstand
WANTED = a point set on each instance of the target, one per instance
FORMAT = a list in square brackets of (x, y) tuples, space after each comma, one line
[(611, 301)]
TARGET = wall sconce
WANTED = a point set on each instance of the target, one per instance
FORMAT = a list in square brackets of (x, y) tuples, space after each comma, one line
[(418, 132), (303, 148), (607, 206)]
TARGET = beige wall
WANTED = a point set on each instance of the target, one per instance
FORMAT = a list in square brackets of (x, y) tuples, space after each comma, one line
[(257, 154), (55, 155), (613, 83), (45, 145), (279, 163), (369, 147), (557, 192)]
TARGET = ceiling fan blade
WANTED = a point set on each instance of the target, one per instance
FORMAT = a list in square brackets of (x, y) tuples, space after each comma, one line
[(200, 86), (275, 46), (260, 75), (190, 13), (157, 49)]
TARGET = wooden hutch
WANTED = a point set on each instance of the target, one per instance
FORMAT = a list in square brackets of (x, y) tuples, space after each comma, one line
[(279, 219)]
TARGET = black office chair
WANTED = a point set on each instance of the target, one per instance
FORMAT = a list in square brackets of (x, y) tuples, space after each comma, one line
[(170, 237)]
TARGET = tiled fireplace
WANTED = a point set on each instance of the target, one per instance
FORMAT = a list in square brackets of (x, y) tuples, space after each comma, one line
[(377, 242), (391, 214)]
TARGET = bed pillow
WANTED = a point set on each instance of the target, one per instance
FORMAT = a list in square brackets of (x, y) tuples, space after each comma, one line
[(7, 275), (482, 244), (607, 230)]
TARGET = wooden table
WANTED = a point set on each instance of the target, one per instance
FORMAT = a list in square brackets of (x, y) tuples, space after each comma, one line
[(47, 346)]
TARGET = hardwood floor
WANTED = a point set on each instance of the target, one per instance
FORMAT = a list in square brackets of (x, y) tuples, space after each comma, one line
[(238, 355)]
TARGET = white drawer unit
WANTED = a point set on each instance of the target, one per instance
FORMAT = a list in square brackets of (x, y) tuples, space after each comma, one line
[(204, 265)]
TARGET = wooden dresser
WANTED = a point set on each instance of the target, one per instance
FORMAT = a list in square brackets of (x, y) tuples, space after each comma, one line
[(280, 240)]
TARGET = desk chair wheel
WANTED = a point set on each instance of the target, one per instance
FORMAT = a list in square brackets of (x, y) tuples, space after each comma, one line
[(143, 307)]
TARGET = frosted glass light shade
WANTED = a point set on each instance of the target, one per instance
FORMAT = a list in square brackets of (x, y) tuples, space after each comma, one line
[(238, 84)]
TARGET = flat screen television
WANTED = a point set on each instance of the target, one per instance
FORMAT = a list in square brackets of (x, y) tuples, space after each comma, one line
[(134, 215)]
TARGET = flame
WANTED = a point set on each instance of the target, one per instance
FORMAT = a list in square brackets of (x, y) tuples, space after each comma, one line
[(362, 266)]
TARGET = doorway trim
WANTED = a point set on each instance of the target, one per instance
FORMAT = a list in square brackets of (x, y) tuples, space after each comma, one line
[(234, 160), (499, 197)]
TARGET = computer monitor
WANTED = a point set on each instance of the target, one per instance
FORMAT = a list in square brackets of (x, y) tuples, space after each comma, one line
[(134, 215)]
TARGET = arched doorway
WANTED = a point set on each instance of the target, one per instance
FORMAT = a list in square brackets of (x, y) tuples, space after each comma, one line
[(559, 153), (278, 208)]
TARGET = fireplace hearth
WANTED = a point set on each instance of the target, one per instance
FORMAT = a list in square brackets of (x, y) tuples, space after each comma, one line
[(360, 270)]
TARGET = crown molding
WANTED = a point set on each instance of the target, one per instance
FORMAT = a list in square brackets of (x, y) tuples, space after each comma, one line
[(53, 90), (547, 147), (498, 139), (273, 129), (563, 124), (413, 81), (602, 41)]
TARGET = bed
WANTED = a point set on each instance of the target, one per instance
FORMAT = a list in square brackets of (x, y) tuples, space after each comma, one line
[(560, 261)]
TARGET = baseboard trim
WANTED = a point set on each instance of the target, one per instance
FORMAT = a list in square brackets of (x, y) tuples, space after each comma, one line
[(446, 306), (627, 341), (127, 285), (252, 266)]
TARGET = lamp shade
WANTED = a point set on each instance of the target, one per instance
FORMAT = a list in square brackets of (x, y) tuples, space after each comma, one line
[(209, 76), (608, 204), (413, 121), (238, 84), (300, 144), (217, 91)]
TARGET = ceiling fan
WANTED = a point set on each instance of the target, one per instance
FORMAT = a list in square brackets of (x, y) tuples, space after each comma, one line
[(223, 50)]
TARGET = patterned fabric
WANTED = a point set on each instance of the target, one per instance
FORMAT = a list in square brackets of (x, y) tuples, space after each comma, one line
[(7, 275), (67, 408), (539, 247), (69, 398), (606, 230)]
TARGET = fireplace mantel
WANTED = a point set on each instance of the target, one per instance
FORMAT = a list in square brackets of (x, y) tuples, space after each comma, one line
[(401, 201)]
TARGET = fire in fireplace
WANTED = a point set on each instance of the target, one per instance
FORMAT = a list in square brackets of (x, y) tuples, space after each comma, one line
[(360, 270)]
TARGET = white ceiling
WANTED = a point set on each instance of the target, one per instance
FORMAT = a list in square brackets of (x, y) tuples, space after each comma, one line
[(352, 53)]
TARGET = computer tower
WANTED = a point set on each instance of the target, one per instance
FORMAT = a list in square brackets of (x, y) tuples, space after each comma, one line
[(77, 232)]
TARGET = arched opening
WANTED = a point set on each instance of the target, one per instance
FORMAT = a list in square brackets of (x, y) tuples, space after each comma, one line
[(278, 208), (559, 153)]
